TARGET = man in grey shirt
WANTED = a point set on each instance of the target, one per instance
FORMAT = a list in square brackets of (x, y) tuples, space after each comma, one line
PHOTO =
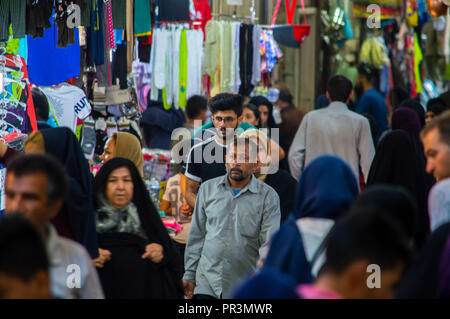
[(235, 216), (333, 130)]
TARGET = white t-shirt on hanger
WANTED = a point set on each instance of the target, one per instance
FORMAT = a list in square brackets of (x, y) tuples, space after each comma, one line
[(67, 102)]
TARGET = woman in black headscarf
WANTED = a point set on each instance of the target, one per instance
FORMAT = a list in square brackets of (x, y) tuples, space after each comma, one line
[(417, 107), (143, 261), (76, 218), (398, 163)]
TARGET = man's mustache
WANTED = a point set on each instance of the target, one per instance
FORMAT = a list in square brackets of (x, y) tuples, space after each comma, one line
[(235, 169)]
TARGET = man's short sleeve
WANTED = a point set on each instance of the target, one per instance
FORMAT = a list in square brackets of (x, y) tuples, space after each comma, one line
[(194, 165)]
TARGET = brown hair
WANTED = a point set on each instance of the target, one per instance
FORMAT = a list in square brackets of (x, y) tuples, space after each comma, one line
[(442, 124)]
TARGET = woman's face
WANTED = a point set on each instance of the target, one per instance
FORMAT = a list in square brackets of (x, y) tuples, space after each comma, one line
[(264, 114), (429, 116), (109, 150), (249, 117), (119, 187)]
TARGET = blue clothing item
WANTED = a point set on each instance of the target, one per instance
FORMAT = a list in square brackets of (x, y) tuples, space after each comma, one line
[(49, 65), (321, 102), (23, 49), (373, 103), (118, 35), (95, 33), (326, 189), (267, 284), (236, 191), (158, 125)]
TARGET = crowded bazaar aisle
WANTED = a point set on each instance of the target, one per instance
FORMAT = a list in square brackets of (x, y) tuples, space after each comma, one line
[(158, 149)]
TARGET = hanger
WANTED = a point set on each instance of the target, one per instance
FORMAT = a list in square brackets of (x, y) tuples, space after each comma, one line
[(13, 100)]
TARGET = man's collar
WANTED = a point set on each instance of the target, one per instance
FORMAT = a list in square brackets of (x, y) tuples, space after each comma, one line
[(338, 105), (252, 186), (53, 246)]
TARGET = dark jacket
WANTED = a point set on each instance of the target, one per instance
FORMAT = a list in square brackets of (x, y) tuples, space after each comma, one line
[(159, 123)]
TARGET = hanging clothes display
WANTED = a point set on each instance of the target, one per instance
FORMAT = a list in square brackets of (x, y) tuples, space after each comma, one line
[(233, 56), (14, 11), (16, 103), (48, 64), (176, 64)]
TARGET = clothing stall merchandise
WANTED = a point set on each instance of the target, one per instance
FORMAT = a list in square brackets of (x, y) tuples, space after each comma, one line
[(176, 64), (232, 56), (16, 104)]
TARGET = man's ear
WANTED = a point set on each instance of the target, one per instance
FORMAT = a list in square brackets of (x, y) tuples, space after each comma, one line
[(240, 119), (328, 97), (349, 97)]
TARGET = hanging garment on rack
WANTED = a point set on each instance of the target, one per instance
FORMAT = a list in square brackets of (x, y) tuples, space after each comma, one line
[(15, 100), (119, 10), (176, 66), (183, 77), (142, 18), (195, 56), (225, 57), (201, 12), (168, 66), (235, 75), (14, 12), (256, 68), (173, 10), (96, 33), (49, 65), (67, 103), (212, 47), (37, 18)]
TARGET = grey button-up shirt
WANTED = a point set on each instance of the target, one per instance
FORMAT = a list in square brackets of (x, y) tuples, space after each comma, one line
[(333, 130), (228, 234)]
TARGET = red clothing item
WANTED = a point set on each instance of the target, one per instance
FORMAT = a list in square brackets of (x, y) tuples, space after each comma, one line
[(202, 13)]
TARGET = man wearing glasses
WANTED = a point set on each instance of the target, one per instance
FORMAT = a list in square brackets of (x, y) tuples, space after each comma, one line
[(206, 160)]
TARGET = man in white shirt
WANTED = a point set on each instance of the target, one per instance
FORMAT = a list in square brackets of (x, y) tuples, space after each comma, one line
[(333, 130), (35, 187)]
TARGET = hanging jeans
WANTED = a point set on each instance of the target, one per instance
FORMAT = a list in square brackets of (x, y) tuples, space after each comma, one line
[(12, 11)]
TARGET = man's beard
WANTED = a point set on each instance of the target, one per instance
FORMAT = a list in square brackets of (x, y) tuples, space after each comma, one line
[(235, 177)]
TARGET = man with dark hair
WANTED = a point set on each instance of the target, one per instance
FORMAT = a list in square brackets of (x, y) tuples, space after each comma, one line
[(206, 159), (285, 98), (333, 130), (235, 216), (24, 264), (196, 108), (435, 107), (366, 255), (41, 108), (436, 141), (371, 101), (35, 187)]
